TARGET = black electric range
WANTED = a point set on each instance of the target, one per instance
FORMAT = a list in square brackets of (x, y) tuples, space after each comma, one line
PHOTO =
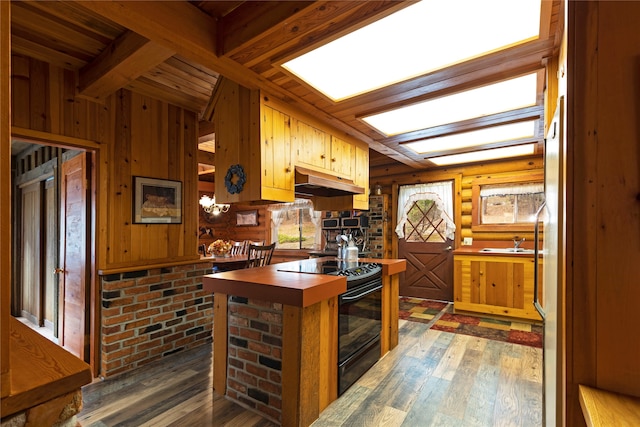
[(356, 272)]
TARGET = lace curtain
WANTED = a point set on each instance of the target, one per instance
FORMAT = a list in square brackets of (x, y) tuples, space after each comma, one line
[(279, 213), (440, 192)]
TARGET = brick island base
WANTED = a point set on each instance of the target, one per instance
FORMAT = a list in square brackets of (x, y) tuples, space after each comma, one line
[(275, 344)]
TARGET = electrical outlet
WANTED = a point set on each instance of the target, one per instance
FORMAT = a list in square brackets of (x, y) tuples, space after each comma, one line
[(467, 241)]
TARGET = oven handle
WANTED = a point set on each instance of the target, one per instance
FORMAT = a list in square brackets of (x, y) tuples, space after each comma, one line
[(350, 297)]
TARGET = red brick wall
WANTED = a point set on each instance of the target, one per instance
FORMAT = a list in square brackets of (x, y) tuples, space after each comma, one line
[(149, 314), (255, 355)]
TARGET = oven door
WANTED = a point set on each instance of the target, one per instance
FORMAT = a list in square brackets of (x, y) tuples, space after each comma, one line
[(359, 326)]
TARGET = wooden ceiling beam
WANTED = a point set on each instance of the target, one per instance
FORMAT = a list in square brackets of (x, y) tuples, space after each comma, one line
[(179, 26), (126, 59), (206, 158), (254, 20)]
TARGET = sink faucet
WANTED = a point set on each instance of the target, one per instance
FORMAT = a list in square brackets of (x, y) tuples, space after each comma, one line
[(517, 242)]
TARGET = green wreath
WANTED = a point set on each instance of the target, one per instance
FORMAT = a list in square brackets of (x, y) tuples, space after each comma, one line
[(238, 171)]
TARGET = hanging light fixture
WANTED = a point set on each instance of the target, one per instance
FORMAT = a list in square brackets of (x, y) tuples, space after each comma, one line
[(210, 206)]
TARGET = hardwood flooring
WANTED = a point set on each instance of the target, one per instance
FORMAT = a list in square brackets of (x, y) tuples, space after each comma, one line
[(432, 378)]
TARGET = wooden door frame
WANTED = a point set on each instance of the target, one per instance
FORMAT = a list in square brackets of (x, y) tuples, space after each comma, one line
[(423, 178), (93, 148)]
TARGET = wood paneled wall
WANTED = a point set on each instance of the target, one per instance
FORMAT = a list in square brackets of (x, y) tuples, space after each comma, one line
[(134, 135), (5, 195), (603, 215)]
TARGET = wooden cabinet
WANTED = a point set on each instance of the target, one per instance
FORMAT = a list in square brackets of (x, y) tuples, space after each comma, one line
[(267, 138), (361, 177), (322, 151), (275, 150), (341, 158), (497, 285), (255, 135), (312, 146)]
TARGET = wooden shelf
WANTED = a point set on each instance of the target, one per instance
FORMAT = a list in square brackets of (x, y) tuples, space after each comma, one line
[(605, 408)]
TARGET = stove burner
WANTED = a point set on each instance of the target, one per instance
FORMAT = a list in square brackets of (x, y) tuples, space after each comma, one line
[(354, 271)]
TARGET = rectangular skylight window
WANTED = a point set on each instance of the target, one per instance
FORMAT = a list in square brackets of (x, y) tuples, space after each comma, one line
[(491, 99), (510, 132), (421, 38), (478, 156)]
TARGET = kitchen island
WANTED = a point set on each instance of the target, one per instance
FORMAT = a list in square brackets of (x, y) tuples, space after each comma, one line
[(276, 336)]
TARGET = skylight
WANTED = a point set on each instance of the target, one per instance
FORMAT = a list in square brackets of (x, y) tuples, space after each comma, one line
[(509, 132), (491, 99), (418, 39), (477, 156)]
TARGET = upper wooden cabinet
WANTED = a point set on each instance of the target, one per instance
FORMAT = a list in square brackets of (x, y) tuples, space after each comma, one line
[(267, 139), (341, 159), (275, 149), (253, 147), (313, 146)]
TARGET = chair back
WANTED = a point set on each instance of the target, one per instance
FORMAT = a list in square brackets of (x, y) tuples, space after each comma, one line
[(259, 255), (238, 248)]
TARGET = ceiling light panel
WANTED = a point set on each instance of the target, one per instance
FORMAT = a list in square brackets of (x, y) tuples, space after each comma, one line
[(495, 98), (418, 39), (510, 132), (483, 155)]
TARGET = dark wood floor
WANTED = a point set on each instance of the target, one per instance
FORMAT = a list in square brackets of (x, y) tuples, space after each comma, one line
[(432, 378)]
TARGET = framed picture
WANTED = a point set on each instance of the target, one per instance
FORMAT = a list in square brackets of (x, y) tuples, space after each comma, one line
[(156, 201), (247, 218)]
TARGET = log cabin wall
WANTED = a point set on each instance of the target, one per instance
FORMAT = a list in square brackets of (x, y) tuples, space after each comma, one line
[(388, 176), (138, 136)]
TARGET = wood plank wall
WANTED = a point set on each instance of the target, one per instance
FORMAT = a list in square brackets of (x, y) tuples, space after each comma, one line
[(137, 136), (603, 218), (386, 177), (5, 194)]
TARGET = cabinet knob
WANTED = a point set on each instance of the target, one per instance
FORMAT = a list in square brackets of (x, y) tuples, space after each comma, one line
[(481, 273), (322, 156), (333, 159), (58, 271)]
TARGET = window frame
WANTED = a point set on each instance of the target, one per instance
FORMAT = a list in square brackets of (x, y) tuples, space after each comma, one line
[(476, 205), (299, 212)]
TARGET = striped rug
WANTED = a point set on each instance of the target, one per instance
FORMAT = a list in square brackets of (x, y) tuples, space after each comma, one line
[(440, 315)]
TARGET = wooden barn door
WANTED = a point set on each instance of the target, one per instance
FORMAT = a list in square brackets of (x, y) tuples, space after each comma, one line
[(427, 247), (73, 273)]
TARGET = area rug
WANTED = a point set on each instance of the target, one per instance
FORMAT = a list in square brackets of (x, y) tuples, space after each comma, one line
[(440, 315)]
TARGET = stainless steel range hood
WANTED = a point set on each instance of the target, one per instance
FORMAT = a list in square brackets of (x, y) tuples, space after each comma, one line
[(312, 183)]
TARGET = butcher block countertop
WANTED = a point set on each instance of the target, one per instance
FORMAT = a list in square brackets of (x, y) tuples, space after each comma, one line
[(294, 289)]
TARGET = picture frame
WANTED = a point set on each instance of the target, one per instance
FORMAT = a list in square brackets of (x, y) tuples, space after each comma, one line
[(156, 201), (247, 218)]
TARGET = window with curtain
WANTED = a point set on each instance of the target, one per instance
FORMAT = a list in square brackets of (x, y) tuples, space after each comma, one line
[(295, 225), (426, 200), (510, 204)]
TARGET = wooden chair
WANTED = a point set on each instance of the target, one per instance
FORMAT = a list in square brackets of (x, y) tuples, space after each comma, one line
[(238, 248), (259, 255)]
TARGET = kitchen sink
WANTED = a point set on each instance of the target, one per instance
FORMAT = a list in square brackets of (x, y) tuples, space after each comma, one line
[(507, 250)]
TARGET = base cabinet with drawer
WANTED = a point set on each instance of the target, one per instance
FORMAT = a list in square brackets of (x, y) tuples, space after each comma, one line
[(496, 285)]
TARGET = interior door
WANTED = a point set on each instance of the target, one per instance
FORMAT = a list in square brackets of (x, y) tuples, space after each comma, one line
[(427, 247), (30, 283), (73, 274)]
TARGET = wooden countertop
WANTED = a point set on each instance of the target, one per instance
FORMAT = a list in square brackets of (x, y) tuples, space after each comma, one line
[(40, 370), (295, 289), (471, 250)]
